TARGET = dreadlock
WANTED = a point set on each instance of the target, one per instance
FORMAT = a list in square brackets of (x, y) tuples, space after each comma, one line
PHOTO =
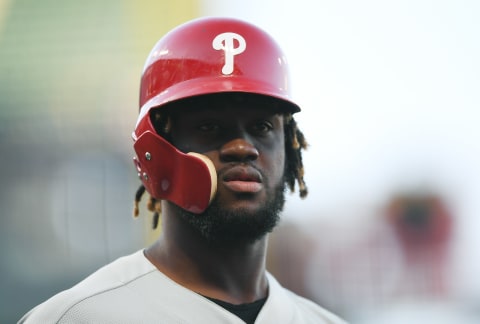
[(294, 144)]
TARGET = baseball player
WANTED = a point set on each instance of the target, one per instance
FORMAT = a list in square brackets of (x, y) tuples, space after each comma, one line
[(216, 145)]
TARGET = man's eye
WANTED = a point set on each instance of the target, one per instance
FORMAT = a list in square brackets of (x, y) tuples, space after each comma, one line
[(263, 127), (209, 127)]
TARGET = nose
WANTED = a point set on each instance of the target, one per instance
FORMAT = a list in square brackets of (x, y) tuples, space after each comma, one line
[(238, 150)]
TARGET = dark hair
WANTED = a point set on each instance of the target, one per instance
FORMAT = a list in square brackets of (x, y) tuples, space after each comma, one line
[(294, 172)]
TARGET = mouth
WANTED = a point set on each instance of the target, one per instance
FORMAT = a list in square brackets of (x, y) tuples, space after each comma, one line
[(243, 180)]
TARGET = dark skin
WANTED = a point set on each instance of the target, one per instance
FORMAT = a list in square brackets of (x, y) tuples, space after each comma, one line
[(246, 145)]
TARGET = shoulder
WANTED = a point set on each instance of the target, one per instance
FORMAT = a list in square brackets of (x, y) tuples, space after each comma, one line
[(108, 280), (297, 309), (312, 311)]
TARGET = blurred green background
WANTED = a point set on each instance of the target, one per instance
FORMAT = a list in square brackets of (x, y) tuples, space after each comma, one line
[(69, 78)]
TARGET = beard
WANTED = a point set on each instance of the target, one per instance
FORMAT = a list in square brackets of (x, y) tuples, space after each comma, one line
[(218, 225)]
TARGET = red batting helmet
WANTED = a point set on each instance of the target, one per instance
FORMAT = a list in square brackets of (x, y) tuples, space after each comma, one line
[(200, 57)]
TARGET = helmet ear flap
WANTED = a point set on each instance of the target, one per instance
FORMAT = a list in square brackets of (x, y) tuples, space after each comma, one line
[(187, 180), (211, 170), (138, 166)]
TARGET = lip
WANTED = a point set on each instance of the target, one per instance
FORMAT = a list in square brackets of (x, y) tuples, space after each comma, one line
[(243, 180)]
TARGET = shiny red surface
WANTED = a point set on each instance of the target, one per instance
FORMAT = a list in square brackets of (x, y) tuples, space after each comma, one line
[(186, 63), (186, 54), (172, 175)]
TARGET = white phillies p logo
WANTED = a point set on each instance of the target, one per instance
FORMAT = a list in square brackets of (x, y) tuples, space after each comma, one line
[(225, 42)]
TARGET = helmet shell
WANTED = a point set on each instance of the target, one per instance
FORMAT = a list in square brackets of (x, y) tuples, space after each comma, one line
[(211, 55), (201, 57)]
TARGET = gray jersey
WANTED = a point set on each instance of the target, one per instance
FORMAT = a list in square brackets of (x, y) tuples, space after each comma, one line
[(132, 290)]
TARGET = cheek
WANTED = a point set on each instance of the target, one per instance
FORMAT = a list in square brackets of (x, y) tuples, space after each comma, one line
[(179, 143), (274, 160), (279, 164)]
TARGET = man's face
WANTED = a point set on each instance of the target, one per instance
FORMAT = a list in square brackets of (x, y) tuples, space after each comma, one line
[(245, 141)]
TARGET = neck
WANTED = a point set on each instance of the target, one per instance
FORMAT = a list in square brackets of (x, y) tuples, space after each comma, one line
[(234, 273)]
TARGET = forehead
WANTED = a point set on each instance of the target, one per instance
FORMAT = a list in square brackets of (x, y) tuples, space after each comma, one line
[(226, 103)]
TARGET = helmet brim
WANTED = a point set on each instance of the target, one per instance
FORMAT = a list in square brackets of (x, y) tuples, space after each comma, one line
[(205, 86)]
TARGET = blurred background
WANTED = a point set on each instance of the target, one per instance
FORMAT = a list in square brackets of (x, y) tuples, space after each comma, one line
[(390, 97)]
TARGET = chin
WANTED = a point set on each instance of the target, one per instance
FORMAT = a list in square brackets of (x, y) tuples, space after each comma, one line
[(245, 220)]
